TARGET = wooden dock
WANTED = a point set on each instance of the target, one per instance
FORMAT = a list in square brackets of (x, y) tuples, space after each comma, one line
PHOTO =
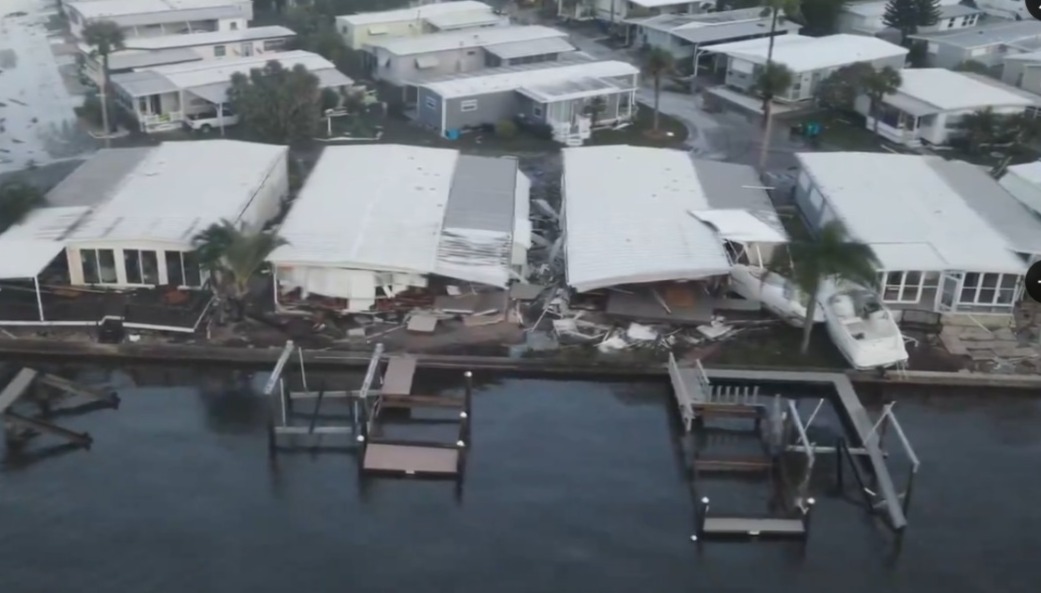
[(753, 527)]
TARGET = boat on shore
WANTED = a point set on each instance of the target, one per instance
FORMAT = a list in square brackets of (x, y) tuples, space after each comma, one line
[(861, 327), (778, 294)]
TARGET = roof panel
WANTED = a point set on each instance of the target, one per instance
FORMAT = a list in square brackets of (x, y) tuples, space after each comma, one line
[(626, 214), (498, 80), (94, 181), (524, 49), (990, 32), (179, 189), (350, 213), (415, 13), (802, 54), (906, 199), (467, 38), (950, 91)]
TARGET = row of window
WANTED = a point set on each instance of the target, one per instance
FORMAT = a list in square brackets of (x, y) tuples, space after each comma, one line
[(976, 289), (140, 267)]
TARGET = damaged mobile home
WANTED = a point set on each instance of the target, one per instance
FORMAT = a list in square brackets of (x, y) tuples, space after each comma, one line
[(377, 223), (661, 231)]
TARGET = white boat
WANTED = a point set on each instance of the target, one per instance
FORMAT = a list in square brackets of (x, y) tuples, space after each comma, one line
[(777, 294), (861, 327)]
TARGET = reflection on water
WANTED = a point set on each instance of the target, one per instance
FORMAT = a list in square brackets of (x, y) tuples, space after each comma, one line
[(572, 486)]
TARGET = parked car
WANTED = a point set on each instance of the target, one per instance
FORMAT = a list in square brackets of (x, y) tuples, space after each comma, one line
[(209, 120)]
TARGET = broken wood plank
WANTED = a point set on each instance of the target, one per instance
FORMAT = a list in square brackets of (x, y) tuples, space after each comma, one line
[(424, 324), (17, 387), (80, 438)]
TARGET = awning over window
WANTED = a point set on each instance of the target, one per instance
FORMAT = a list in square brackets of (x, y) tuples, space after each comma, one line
[(424, 62), (378, 30), (26, 258)]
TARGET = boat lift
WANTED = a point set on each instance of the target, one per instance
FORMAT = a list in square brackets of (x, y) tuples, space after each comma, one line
[(284, 434), (870, 481)]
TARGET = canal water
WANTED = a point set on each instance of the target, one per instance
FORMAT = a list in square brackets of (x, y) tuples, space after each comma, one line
[(572, 486)]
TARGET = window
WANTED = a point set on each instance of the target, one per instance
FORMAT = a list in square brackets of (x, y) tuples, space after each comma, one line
[(950, 23), (989, 289), (192, 270), (468, 105), (903, 287), (174, 268), (271, 44), (219, 51), (471, 52), (99, 266), (536, 110), (234, 26), (141, 267), (132, 263), (430, 102)]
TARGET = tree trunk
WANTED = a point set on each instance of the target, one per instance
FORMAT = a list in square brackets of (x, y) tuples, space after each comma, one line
[(807, 327), (657, 99), (768, 95), (104, 100)]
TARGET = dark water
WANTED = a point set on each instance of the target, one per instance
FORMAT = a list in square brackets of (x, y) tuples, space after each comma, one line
[(572, 487)]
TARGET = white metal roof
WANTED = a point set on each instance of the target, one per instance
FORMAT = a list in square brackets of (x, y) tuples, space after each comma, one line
[(415, 13), (467, 38), (194, 74), (98, 9), (379, 207), (572, 89), (627, 218), (954, 91), (207, 38), (523, 49), (498, 82), (803, 54), (1024, 183), (179, 189), (33, 257), (32, 244), (659, 3), (873, 8), (904, 202), (461, 20)]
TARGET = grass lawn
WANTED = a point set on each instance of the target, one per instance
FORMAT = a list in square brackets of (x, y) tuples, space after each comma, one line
[(671, 132), (841, 132)]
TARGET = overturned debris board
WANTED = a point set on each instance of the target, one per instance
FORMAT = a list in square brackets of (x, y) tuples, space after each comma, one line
[(526, 292), (411, 460), (401, 370), (422, 324), (18, 386)]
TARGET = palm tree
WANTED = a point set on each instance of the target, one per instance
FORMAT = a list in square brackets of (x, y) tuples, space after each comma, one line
[(774, 79), (104, 37), (17, 200), (1019, 130), (876, 84), (979, 129), (774, 8), (658, 63), (233, 256), (830, 255)]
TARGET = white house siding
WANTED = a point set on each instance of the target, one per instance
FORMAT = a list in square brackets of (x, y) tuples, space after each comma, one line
[(1023, 74), (741, 74), (357, 36), (401, 69)]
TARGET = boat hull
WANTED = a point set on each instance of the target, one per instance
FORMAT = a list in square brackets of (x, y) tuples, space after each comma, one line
[(746, 282)]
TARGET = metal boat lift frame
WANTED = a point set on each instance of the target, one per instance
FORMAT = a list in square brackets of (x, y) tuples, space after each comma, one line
[(280, 425), (851, 457)]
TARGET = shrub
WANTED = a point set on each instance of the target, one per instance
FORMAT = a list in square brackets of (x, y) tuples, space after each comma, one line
[(506, 129)]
